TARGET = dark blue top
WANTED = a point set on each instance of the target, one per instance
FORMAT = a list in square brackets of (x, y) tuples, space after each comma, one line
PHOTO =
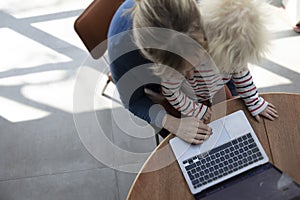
[(130, 70)]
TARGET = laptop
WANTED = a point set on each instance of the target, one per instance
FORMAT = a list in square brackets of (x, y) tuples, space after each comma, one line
[(232, 151), (263, 182)]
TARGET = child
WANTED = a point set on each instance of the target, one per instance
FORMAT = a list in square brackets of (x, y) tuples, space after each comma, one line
[(235, 35)]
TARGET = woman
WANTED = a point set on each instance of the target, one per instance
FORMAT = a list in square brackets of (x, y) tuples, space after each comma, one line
[(124, 68)]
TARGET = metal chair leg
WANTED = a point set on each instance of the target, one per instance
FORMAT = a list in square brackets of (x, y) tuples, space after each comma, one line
[(105, 86), (157, 139)]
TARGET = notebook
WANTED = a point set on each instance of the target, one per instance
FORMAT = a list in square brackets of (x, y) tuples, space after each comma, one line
[(232, 149)]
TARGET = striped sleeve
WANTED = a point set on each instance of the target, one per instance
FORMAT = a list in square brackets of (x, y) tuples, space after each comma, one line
[(248, 92), (180, 101)]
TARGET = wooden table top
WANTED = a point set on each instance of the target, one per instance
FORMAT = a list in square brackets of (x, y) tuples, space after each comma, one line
[(161, 177)]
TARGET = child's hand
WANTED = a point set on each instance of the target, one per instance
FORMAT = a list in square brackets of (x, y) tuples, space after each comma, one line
[(270, 113)]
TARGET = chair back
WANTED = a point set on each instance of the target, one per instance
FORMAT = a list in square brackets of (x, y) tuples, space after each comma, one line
[(93, 24)]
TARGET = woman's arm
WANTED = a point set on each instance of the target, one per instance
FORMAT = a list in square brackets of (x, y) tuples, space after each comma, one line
[(189, 129)]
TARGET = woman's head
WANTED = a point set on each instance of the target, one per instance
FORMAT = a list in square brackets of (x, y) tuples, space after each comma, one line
[(151, 21)]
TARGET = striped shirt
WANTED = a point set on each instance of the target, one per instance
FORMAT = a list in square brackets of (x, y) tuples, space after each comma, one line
[(186, 95)]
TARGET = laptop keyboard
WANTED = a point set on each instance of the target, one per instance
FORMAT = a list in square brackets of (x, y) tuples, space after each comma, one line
[(222, 160)]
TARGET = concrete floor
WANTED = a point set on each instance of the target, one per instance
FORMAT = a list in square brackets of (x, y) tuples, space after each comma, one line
[(61, 139)]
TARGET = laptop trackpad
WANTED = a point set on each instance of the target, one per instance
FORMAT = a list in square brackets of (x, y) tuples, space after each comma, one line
[(237, 125), (220, 136), (226, 129)]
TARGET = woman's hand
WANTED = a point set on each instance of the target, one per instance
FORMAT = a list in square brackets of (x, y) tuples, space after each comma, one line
[(270, 113), (207, 115), (190, 129)]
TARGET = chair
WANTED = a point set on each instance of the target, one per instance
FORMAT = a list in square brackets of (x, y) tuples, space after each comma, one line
[(93, 23), (92, 28)]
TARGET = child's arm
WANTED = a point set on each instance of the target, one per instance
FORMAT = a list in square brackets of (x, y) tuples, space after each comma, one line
[(248, 92), (182, 103)]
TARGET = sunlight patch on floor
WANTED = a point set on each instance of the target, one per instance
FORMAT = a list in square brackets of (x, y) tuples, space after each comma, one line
[(40, 7), (17, 112), (23, 52), (34, 78), (265, 78), (287, 60), (55, 27), (56, 95)]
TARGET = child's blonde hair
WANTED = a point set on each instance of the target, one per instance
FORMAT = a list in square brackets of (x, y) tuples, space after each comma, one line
[(182, 16), (236, 32)]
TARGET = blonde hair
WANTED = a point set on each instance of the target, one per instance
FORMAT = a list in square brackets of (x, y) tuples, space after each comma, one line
[(236, 32), (182, 16)]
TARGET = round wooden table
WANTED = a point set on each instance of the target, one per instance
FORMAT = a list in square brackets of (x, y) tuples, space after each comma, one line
[(280, 139)]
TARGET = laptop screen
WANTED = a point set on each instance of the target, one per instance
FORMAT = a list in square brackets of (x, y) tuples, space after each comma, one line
[(263, 182)]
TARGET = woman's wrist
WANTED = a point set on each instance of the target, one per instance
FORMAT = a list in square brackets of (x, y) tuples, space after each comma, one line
[(169, 123), (157, 114)]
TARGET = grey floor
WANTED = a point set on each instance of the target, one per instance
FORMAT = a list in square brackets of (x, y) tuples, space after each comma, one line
[(59, 138)]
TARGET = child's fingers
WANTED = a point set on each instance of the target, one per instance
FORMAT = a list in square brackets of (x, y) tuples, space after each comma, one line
[(272, 113), (268, 116), (272, 107), (273, 110)]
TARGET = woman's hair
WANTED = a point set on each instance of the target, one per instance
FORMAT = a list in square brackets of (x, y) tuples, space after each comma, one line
[(165, 30)]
